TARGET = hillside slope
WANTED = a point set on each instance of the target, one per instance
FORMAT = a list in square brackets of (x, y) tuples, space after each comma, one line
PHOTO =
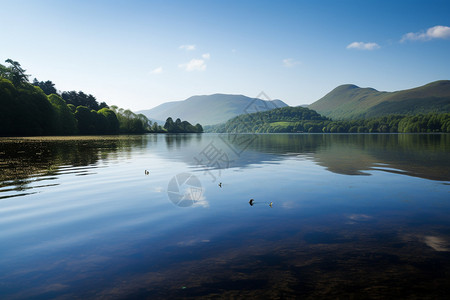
[(352, 102), (211, 109), (285, 119)]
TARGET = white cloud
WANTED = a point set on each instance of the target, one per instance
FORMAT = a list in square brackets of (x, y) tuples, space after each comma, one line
[(194, 64), (363, 46), (206, 56), (187, 47), (157, 71), (290, 62), (436, 32)]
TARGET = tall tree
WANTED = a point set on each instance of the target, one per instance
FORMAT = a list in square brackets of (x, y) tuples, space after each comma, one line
[(112, 123), (47, 87), (82, 99), (169, 125), (16, 73), (85, 120), (66, 124)]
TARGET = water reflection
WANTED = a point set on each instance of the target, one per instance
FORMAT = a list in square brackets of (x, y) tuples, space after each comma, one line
[(420, 155), (25, 161), (94, 219)]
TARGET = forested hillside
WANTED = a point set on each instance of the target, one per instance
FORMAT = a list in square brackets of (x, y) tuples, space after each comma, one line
[(39, 109), (285, 119), (299, 119)]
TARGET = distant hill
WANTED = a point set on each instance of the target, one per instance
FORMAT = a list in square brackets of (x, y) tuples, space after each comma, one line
[(299, 120), (285, 119), (352, 102), (210, 109)]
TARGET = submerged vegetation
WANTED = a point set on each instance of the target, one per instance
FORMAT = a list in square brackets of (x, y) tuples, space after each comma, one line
[(39, 109)]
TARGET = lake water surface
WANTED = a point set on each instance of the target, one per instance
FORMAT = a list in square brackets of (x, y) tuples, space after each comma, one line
[(333, 216)]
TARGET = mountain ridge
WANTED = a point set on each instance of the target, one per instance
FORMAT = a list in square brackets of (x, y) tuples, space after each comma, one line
[(349, 101), (211, 109)]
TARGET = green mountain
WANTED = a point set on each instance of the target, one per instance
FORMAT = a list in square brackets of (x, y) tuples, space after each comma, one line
[(352, 102), (285, 119), (210, 109), (300, 119)]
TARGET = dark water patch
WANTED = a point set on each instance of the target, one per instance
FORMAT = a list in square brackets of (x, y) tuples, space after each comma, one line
[(325, 238), (17, 195)]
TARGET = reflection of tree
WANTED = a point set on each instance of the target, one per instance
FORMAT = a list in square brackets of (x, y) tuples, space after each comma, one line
[(22, 158), (180, 140), (421, 155)]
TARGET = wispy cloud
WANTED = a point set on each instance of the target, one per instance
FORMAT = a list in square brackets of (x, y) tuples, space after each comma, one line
[(363, 46), (187, 47), (290, 62), (436, 32), (157, 71), (194, 64)]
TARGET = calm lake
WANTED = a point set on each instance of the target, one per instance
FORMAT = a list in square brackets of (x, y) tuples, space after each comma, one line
[(362, 215)]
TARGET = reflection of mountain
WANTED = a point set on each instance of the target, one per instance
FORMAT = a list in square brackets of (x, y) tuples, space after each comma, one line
[(420, 155), (214, 151)]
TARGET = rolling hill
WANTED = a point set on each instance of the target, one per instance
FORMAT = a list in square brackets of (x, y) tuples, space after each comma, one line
[(352, 102), (284, 119), (210, 109)]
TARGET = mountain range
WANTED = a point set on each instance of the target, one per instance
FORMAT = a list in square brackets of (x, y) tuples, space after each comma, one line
[(352, 102), (210, 109), (344, 102)]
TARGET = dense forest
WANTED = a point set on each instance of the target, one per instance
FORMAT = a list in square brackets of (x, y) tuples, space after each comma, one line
[(30, 109), (299, 119)]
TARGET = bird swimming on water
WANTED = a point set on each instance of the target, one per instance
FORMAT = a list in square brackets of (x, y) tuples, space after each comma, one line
[(251, 202), (147, 172), (220, 184)]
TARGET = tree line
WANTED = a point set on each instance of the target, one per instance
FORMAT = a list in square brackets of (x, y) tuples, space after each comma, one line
[(29, 109), (299, 119), (181, 126)]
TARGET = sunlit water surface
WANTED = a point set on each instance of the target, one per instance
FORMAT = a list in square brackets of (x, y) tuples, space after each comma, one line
[(362, 216)]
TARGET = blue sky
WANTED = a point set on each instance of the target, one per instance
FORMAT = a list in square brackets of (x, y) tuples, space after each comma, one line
[(138, 54)]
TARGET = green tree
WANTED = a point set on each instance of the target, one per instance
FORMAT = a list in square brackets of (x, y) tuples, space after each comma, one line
[(66, 124), (112, 123), (85, 120), (198, 127), (169, 125), (15, 73), (47, 87)]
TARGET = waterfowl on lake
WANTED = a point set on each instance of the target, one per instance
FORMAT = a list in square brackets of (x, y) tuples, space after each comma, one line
[(220, 184), (251, 202), (147, 172), (270, 204)]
